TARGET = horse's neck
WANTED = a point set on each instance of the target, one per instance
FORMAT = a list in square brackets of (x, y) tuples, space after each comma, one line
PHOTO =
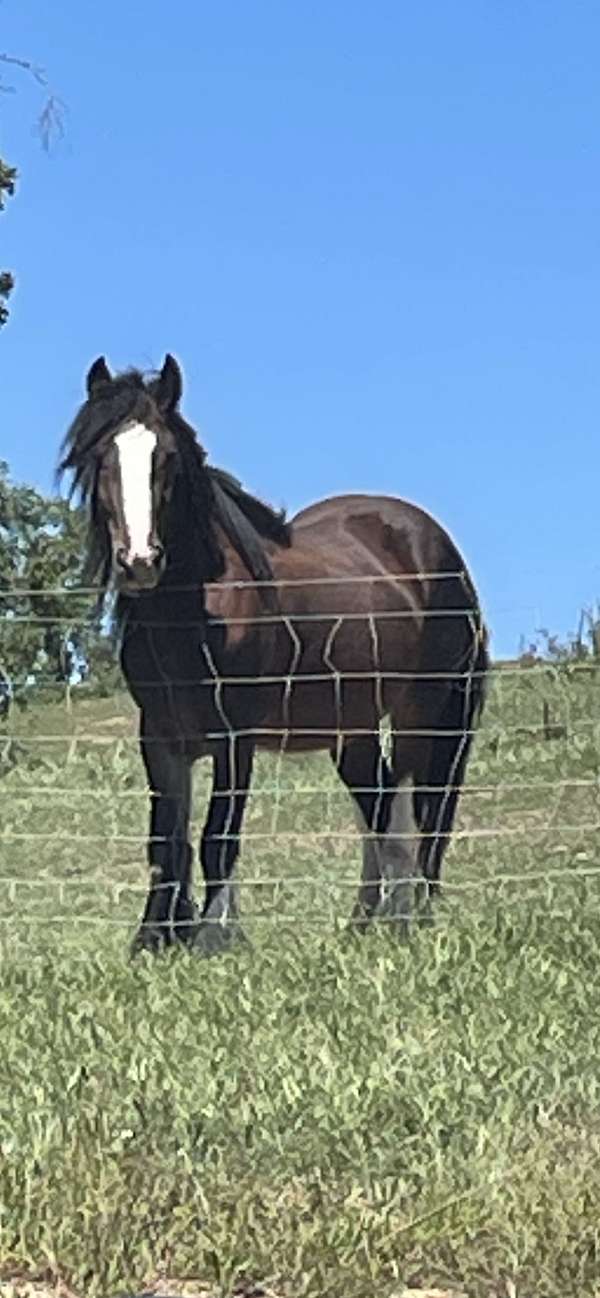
[(177, 601)]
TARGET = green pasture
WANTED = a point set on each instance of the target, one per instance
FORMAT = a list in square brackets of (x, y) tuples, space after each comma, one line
[(314, 1113)]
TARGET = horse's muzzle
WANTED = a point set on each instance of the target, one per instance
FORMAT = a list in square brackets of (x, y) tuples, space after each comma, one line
[(136, 573)]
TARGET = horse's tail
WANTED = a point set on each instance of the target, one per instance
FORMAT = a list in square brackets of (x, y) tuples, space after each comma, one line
[(442, 780)]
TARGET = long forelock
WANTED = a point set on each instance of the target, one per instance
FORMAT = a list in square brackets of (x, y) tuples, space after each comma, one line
[(98, 419)]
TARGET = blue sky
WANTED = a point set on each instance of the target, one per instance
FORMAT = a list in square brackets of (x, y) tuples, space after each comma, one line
[(370, 233)]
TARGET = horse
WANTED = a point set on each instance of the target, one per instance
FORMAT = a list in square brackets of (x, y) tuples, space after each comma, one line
[(240, 629)]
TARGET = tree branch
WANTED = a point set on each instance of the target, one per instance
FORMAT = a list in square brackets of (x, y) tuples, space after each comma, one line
[(26, 66), (50, 122)]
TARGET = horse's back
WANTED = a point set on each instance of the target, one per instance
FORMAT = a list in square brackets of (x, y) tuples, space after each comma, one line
[(380, 531), (387, 553), (343, 510)]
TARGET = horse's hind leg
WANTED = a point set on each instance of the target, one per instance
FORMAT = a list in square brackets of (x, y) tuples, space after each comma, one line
[(436, 811), (386, 819), (439, 768), (362, 767), (398, 855)]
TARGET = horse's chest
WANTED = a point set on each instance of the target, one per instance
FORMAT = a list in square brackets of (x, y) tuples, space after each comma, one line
[(190, 691)]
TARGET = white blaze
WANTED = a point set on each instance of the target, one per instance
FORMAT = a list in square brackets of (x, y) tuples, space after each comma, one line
[(135, 446)]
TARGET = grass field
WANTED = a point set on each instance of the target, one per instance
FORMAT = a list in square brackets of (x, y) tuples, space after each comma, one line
[(317, 1114)]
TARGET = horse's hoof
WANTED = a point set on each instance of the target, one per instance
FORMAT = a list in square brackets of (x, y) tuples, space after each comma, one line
[(359, 925), (215, 939), (399, 928), (150, 939), (185, 927)]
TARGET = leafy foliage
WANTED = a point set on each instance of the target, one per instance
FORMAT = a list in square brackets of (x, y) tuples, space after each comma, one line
[(45, 627), (581, 646), (8, 178), (49, 125)]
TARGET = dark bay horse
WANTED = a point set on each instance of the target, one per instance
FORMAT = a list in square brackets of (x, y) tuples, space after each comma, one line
[(240, 630)]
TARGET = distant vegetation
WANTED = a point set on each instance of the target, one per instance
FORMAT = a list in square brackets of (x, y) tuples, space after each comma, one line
[(48, 632)]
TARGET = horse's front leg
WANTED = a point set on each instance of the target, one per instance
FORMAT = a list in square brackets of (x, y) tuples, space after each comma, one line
[(169, 914), (220, 846)]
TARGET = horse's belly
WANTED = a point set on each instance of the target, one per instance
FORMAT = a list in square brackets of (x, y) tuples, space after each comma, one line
[(312, 715)]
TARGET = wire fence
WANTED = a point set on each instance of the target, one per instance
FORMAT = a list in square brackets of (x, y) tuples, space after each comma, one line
[(74, 802)]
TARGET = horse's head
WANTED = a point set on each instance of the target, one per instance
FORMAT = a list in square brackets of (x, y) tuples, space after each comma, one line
[(134, 472), (154, 504), (122, 451)]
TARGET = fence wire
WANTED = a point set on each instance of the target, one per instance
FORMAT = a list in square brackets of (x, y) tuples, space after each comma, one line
[(74, 806)]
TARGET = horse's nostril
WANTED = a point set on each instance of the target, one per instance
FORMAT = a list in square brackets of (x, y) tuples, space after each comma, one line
[(158, 554), (121, 558)]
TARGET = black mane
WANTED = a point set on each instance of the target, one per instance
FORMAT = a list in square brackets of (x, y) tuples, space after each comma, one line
[(215, 497)]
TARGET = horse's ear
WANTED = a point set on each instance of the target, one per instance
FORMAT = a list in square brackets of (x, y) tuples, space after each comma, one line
[(169, 384), (97, 374)]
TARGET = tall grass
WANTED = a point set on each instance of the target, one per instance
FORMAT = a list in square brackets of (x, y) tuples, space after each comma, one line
[(317, 1114)]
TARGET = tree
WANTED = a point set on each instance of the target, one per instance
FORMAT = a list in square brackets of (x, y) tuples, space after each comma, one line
[(44, 615), (49, 124), (8, 177), (51, 629)]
